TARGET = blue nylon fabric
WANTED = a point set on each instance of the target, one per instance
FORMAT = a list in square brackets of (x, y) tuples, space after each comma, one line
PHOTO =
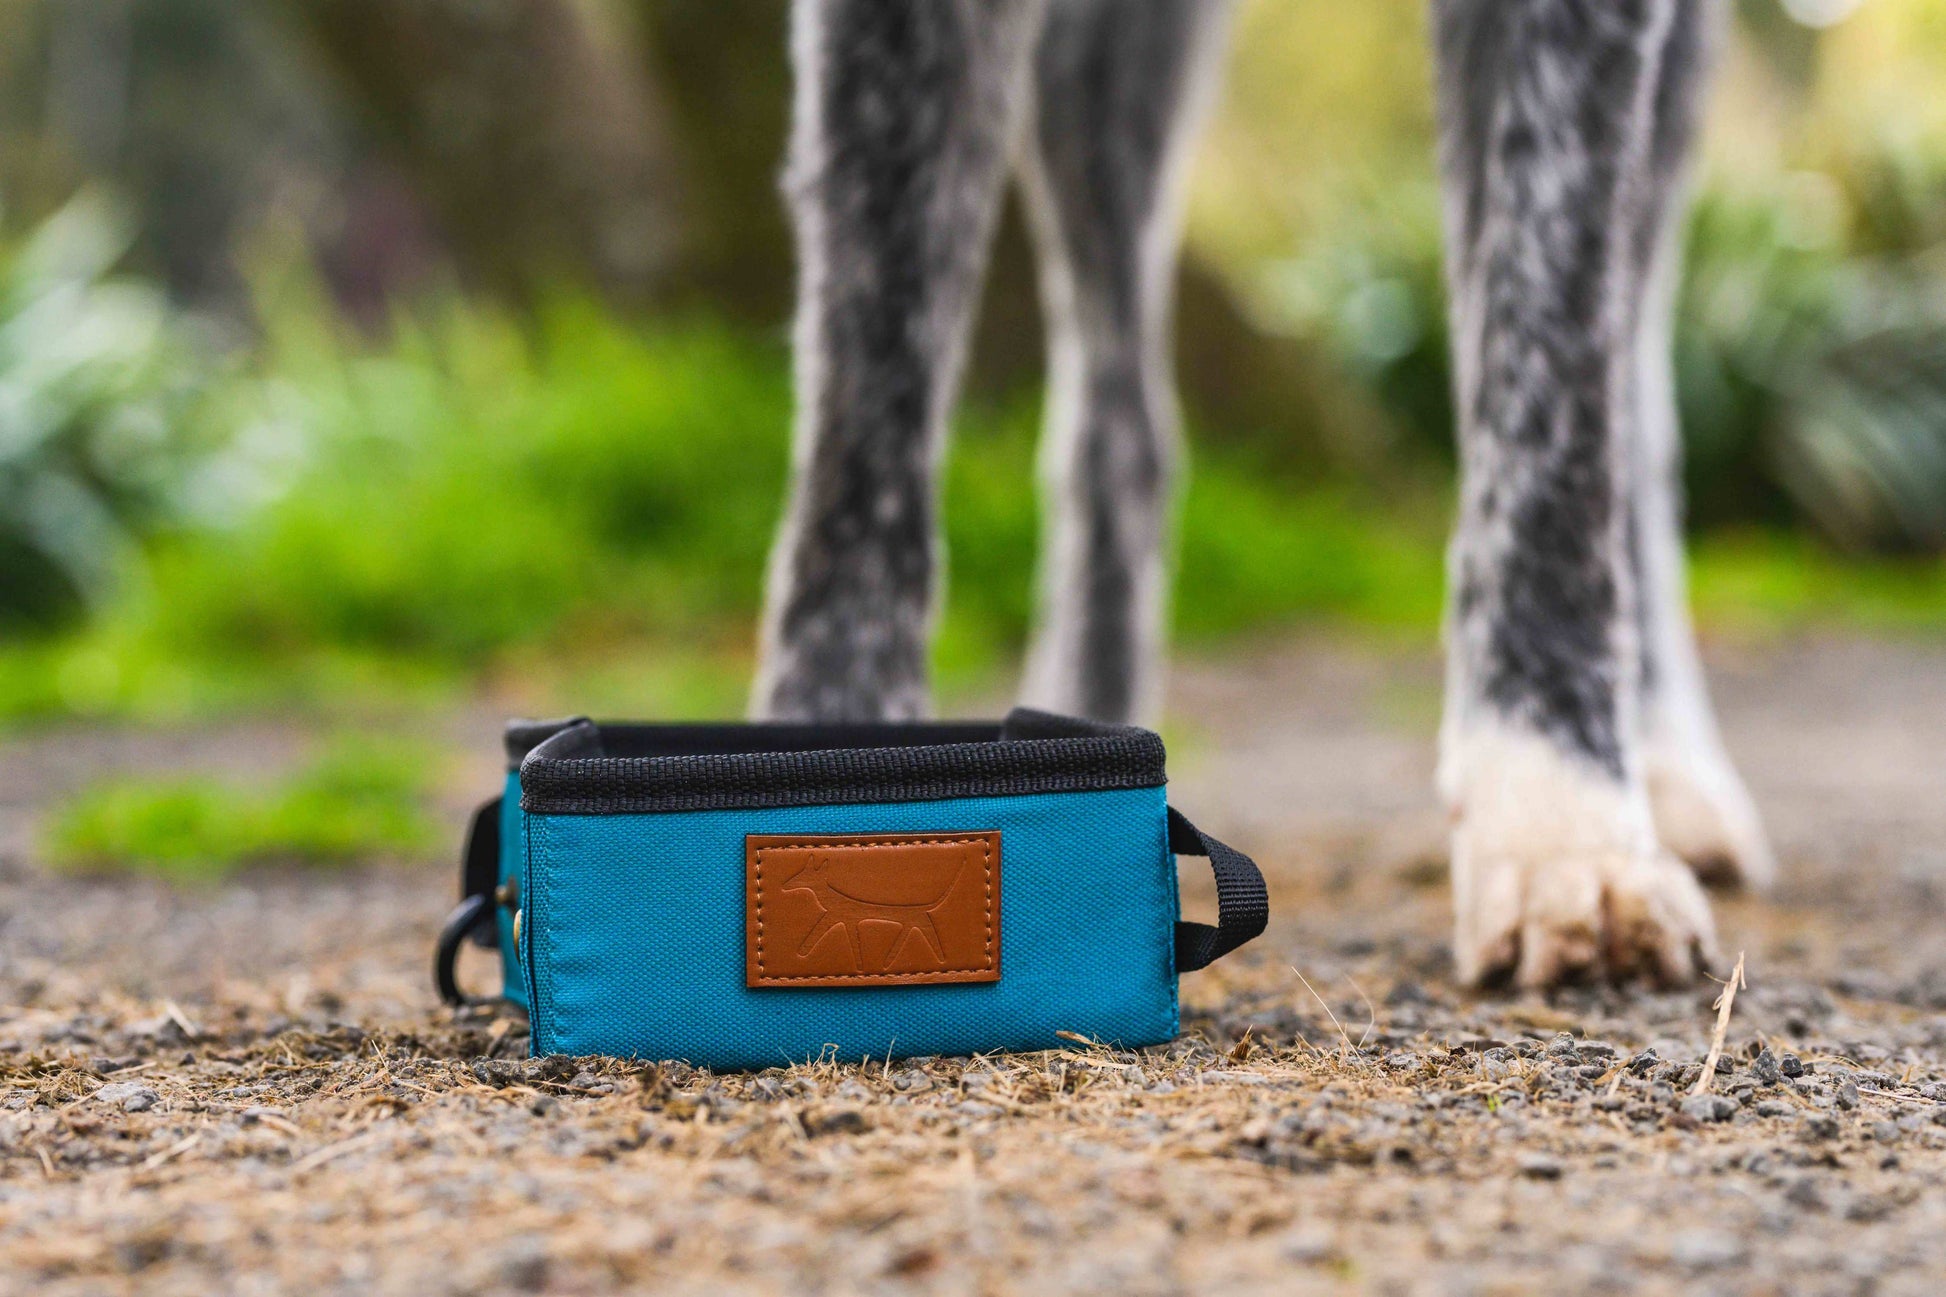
[(636, 924), (513, 850)]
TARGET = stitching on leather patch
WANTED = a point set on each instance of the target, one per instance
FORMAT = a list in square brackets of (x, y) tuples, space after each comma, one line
[(871, 909)]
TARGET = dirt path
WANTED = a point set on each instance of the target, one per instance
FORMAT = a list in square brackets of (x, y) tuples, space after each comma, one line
[(248, 1089)]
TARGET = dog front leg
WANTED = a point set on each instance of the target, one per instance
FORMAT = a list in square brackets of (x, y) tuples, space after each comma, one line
[(1547, 118), (1118, 85), (905, 115)]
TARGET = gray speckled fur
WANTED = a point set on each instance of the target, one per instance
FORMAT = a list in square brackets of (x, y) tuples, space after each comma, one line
[(1565, 124), (1118, 87), (1671, 674), (905, 121)]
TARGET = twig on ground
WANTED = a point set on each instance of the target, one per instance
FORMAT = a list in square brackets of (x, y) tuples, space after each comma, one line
[(331, 1152), (290, 1128), (174, 1150), (181, 1019), (1723, 1005), (1900, 1098)]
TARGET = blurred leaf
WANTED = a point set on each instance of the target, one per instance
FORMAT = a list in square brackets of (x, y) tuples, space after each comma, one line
[(98, 388)]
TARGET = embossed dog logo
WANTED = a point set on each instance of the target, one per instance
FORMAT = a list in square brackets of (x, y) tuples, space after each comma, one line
[(852, 893)]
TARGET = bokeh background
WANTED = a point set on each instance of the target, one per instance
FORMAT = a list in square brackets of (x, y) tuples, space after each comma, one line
[(371, 359)]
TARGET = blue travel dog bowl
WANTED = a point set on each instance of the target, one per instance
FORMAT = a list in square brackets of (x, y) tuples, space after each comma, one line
[(747, 896)]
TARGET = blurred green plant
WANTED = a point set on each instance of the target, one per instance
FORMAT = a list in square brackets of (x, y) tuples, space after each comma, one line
[(540, 505), (1811, 343), (1816, 338), (360, 800), (98, 388)]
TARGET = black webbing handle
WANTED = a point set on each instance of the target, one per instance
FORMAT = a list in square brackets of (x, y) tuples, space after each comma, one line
[(479, 861), (475, 918), (1242, 902), (463, 922)]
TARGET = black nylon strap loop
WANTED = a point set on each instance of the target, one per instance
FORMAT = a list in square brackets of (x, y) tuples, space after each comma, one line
[(465, 919), (1242, 901), (475, 918), (479, 868)]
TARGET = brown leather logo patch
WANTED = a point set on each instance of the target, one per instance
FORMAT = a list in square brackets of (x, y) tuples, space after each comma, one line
[(874, 909)]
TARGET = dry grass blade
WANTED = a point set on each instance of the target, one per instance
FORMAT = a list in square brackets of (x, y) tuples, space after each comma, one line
[(1919, 1099), (174, 1150), (181, 1019), (1724, 1003), (331, 1152), (1371, 1011), (1343, 1036)]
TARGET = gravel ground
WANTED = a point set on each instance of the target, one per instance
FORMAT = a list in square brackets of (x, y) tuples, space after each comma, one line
[(249, 1088)]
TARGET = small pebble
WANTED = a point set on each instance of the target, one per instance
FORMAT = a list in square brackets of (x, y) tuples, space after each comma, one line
[(131, 1096), (1404, 993), (1804, 1194), (1774, 1108), (1308, 1245), (1539, 1166), (1705, 1249), (552, 1068), (524, 1266), (1709, 1107), (1791, 1065), (1867, 1208), (1848, 1096)]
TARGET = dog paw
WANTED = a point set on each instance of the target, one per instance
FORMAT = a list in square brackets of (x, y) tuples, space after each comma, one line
[(1704, 814), (1541, 921), (1557, 875)]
